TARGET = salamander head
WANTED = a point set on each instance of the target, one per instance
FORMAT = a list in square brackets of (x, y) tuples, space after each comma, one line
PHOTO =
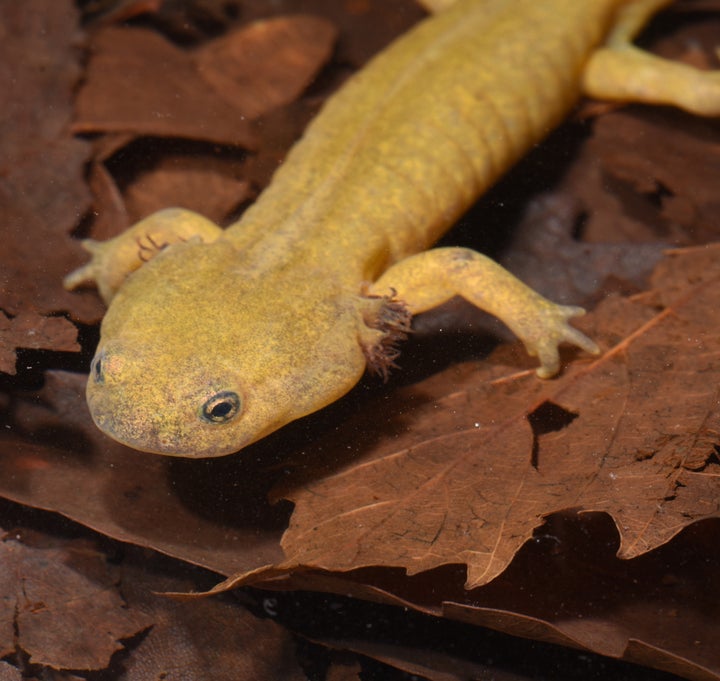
[(192, 411), (194, 362)]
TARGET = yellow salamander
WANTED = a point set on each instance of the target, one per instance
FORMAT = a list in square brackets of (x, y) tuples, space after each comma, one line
[(214, 338)]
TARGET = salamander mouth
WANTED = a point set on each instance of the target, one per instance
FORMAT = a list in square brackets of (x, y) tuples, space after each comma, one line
[(134, 433), (151, 425), (144, 437)]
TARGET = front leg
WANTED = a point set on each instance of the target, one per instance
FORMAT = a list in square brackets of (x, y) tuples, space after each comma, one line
[(114, 260), (426, 280)]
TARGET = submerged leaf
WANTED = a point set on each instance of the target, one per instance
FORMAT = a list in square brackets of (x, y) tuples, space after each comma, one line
[(473, 468)]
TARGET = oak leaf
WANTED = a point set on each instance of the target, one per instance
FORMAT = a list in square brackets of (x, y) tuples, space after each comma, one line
[(467, 477)]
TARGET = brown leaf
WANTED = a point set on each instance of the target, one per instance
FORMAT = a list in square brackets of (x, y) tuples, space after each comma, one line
[(43, 194), (567, 587), (52, 451), (366, 26), (266, 64), (187, 21), (624, 194), (425, 664), (187, 181), (60, 604), (110, 213), (9, 673), (629, 182), (278, 131), (647, 172), (469, 474), (121, 10), (343, 672), (66, 609), (203, 639), (582, 273), (31, 330), (140, 83)]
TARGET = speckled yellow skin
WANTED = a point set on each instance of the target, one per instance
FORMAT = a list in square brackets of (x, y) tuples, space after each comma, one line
[(224, 337)]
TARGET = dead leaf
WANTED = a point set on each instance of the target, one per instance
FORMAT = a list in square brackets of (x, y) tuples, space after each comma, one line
[(567, 587), (425, 664), (628, 181), (187, 21), (582, 274), (43, 194), (645, 174), (266, 64), (51, 449), (278, 131), (140, 83), (225, 78), (60, 605), (467, 476), (120, 10), (187, 181), (211, 639), (66, 611), (339, 671), (110, 213), (366, 26), (9, 673), (30, 330)]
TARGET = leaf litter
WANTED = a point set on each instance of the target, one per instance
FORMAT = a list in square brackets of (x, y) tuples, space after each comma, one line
[(450, 486), (42, 194), (61, 607), (65, 607)]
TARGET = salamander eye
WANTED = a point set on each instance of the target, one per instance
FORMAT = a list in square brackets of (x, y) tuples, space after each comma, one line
[(221, 407), (96, 368)]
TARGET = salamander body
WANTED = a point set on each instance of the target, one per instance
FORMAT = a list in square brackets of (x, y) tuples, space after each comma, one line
[(226, 335)]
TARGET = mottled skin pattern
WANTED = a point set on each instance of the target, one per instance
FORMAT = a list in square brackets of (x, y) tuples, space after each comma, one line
[(221, 338)]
